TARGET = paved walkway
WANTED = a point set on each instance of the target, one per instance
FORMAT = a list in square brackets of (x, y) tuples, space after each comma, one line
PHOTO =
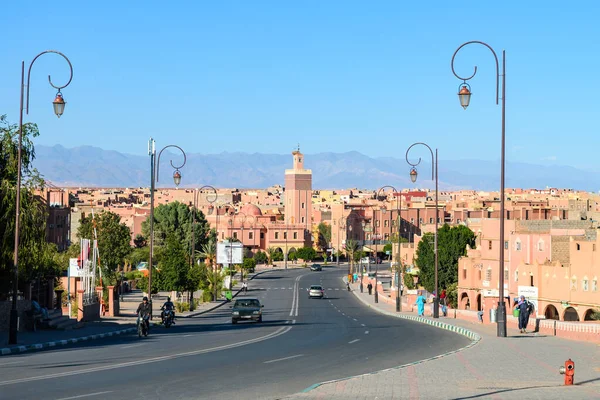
[(106, 327), (521, 366)]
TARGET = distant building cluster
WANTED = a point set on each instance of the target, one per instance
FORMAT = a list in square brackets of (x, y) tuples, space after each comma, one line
[(550, 234)]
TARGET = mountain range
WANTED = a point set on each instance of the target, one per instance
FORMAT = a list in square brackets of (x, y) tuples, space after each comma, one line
[(88, 166)]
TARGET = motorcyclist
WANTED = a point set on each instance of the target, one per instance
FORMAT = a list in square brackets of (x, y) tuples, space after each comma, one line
[(143, 310), (169, 306)]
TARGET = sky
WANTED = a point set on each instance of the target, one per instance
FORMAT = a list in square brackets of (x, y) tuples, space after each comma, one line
[(333, 76)]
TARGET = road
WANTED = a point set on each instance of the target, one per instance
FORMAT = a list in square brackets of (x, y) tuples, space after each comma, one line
[(301, 342)]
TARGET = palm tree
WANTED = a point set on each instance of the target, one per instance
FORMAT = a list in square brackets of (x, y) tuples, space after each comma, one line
[(271, 251), (351, 247), (209, 253), (215, 281)]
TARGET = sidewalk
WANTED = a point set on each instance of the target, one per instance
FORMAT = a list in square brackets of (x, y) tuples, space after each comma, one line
[(521, 366), (106, 327)]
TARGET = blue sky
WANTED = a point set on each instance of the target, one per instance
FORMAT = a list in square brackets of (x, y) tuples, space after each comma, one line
[(261, 76)]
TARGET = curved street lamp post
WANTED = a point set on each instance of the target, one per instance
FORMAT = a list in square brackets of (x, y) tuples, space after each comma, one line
[(59, 108), (464, 95), (434, 175), (399, 265), (154, 174)]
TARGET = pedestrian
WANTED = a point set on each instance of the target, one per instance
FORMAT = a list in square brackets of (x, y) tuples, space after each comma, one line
[(480, 313), (420, 303), (370, 288), (524, 308), (443, 297), (245, 287)]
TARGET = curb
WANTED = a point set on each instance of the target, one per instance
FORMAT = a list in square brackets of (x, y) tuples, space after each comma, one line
[(475, 338), (39, 346)]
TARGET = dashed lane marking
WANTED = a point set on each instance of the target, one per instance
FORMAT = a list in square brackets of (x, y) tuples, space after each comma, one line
[(366, 332), (81, 396), (362, 325), (353, 341), (283, 359)]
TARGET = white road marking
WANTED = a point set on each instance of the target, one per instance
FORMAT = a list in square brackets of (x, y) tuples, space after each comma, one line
[(283, 288), (353, 341), (290, 288), (284, 358), (355, 319), (362, 325), (337, 288), (133, 345), (278, 332), (12, 362), (187, 335), (366, 332), (85, 395), (293, 322)]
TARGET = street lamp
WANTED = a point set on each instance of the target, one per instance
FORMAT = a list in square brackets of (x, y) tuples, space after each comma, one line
[(434, 175), (59, 108), (376, 295), (464, 96), (363, 223), (399, 266), (154, 174), (244, 218)]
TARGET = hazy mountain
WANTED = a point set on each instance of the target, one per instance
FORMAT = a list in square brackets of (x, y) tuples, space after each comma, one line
[(93, 166)]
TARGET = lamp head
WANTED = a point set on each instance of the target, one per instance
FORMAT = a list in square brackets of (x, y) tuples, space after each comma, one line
[(464, 95), (59, 104), (177, 177), (413, 174)]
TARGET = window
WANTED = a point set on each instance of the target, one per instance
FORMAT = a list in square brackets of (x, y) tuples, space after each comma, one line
[(285, 235), (464, 273), (578, 247), (386, 236), (517, 276), (295, 235), (431, 220), (506, 245), (420, 220), (250, 235), (488, 274), (302, 220), (540, 245), (276, 235), (489, 244), (506, 274), (531, 280), (368, 236), (262, 235), (518, 245), (479, 274), (412, 220), (574, 283), (595, 285), (438, 220), (458, 220), (302, 205), (584, 285), (378, 223), (235, 235), (386, 223)]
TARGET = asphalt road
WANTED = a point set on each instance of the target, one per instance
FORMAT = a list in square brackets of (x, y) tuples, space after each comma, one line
[(301, 342)]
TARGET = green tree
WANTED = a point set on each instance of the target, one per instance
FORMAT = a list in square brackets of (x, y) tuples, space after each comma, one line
[(307, 253), (324, 232), (208, 253), (452, 244), (176, 218), (173, 265), (261, 257), (249, 264), (33, 251), (113, 240), (138, 255), (271, 252)]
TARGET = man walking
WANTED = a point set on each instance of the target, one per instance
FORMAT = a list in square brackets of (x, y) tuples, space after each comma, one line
[(523, 307)]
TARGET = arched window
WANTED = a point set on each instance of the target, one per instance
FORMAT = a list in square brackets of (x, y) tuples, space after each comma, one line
[(585, 284), (488, 274)]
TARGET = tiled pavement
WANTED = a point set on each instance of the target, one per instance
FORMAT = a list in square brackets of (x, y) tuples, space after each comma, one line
[(521, 366)]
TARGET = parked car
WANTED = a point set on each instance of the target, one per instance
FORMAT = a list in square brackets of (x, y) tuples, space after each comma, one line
[(316, 267), (246, 309), (316, 291)]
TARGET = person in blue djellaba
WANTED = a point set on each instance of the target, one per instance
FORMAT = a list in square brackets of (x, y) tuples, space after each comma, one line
[(420, 303), (524, 308)]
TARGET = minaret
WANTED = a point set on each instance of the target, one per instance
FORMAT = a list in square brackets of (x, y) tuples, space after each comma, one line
[(298, 193)]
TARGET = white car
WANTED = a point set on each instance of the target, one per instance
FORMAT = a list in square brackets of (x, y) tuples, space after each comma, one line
[(316, 291)]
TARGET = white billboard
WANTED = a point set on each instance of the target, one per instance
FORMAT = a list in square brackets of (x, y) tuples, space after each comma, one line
[(230, 253), (74, 270)]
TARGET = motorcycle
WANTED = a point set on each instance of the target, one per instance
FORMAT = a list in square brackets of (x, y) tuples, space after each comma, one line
[(168, 318), (143, 325)]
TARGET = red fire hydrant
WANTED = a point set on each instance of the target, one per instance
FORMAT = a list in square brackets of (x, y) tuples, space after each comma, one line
[(568, 371)]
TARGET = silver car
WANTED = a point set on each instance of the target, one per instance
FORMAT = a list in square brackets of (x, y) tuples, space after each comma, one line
[(316, 291)]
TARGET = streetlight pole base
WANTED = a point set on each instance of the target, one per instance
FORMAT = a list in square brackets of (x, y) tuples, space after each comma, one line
[(14, 321), (501, 319), (436, 307), (376, 296), (361, 286), (398, 304)]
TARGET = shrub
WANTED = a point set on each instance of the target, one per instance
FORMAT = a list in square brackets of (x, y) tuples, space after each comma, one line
[(207, 296), (74, 307), (181, 307)]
